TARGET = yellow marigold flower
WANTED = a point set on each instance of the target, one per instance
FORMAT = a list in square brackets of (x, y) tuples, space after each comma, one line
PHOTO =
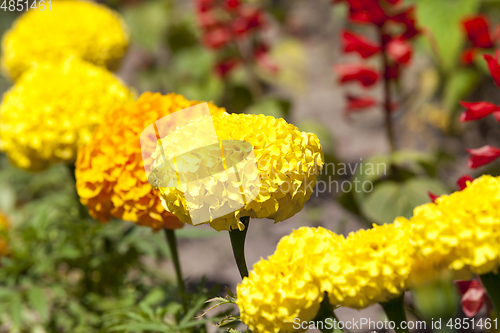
[(460, 231), (53, 109), (83, 29), (372, 266), (110, 176), (4, 227), (285, 287), (287, 163)]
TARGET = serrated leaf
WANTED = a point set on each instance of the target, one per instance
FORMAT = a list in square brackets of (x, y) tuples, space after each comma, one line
[(192, 311), (228, 320)]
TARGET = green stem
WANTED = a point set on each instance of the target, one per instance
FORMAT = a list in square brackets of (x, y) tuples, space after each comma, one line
[(81, 208), (326, 311), (387, 104), (395, 311), (253, 80), (172, 244), (238, 243), (491, 283)]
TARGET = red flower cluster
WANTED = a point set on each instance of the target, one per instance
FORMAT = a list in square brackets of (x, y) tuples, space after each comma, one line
[(478, 110), (395, 25), (480, 36), (225, 23)]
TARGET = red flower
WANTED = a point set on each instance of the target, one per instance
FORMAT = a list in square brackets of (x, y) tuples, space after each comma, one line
[(481, 156), (204, 5), (493, 66), (232, 4), (468, 56), (226, 66), (366, 11), (407, 18), (255, 16), (399, 51), (462, 181), (473, 296), (240, 26), (261, 55), (358, 43), (355, 103), (432, 196), (217, 38), (477, 110), (477, 28), (207, 19), (356, 72)]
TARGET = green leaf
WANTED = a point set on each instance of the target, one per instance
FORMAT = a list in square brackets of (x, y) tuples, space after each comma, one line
[(38, 301), (270, 106), (238, 98), (147, 23), (390, 199), (181, 36), (155, 296), (16, 309), (443, 19), (140, 327), (459, 84), (437, 299)]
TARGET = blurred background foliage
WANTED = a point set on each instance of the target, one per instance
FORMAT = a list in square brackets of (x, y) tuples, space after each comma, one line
[(67, 273)]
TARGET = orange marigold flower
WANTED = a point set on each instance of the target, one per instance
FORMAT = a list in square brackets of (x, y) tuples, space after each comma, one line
[(110, 176)]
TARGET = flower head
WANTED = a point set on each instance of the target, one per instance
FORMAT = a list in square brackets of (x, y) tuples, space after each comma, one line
[(83, 29), (224, 23), (285, 286), (287, 162), (371, 266), (110, 176), (459, 231), (52, 110)]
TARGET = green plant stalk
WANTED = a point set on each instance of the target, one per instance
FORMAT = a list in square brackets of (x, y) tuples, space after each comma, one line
[(253, 81), (81, 208), (395, 311), (325, 312), (172, 244), (491, 283), (387, 104), (238, 244)]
